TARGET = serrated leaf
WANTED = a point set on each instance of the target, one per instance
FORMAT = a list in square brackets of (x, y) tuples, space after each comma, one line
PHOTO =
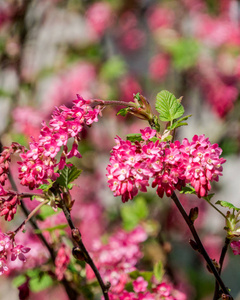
[(68, 175), (168, 106), (158, 271), (227, 204), (123, 112), (133, 137)]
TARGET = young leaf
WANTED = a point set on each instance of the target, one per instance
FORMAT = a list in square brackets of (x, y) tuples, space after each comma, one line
[(176, 125), (168, 106), (227, 204), (133, 137), (188, 190), (68, 175), (158, 271), (123, 112)]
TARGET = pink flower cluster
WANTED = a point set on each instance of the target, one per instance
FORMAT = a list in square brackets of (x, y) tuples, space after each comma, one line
[(17, 251), (162, 291), (62, 260), (235, 245), (170, 165), (8, 199), (39, 163), (118, 257)]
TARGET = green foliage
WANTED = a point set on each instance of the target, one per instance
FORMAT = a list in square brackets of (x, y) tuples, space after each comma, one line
[(47, 211), (158, 271), (147, 275), (132, 213), (188, 190), (184, 52), (208, 197), (168, 106), (227, 204), (46, 187), (51, 229), (39, 280), (40, 283), (68, 175), (113, 68), (18, 280), (179, 123), (133, 137), (123, 112)]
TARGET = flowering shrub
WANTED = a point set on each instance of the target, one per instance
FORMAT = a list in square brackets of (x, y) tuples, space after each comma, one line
[(66, 236), (187, 166)]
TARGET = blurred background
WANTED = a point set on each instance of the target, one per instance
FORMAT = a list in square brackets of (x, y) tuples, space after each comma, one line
[(51, 50)]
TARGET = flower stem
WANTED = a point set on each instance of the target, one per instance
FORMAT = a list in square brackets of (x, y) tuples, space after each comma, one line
[(200, 245), (31, 215), (78, 239)]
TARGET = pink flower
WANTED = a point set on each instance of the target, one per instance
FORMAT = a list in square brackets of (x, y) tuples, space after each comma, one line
[(140, 285), (4, 243), (159, 66), (19, 251), (99, 17), (62, 260), (3, 266), (147, 133), (235, 245)]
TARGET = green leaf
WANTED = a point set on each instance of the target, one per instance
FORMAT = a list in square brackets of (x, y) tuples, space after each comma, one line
[(208, 197), (45, 187), (184, 118), (40, 283), (113, 68), (185, 52), (133, 212), (168, 106), (133, 137), (227, 204), (123, 112), (147, 275), (158, 271), (19, 280), (68, 175), (47, 211), (176, 125), (188, 190), (50, 229)]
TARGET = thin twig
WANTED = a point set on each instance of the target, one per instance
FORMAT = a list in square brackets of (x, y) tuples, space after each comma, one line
[(200, 245), (222, 257), (72, 294), (78, 239)]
